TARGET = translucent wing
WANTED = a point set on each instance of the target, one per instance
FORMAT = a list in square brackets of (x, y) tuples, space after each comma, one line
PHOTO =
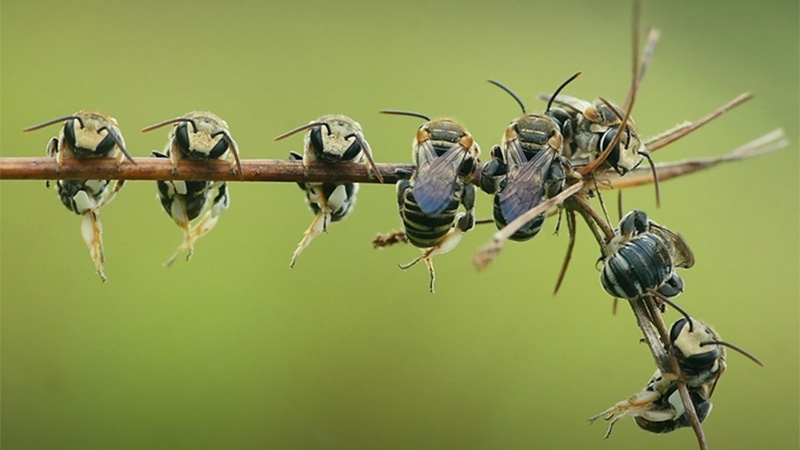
[(525, 185), (682, 255), (567, 101), (436, 180)]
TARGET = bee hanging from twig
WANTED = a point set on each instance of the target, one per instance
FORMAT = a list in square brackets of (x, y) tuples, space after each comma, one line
[(642, 258), (208, 139), (330, 139), (87, 135), (700, 356), (600, 130), (530, 165), (445, 160)]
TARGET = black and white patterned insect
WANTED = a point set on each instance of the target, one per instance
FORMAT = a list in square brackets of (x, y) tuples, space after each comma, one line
[(642, 257), (87, 135), (530, 166), (330, 139), (195, 206), (700, 354), (445, 160)]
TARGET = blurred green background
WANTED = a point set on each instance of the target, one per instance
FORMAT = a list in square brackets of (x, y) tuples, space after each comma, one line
[(235, 350)]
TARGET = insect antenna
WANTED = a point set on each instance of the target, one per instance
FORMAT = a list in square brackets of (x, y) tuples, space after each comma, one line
[(171, 121), (510, 92), (405, 113), (302, 128), (558, 90), (117, 140), (50, 122), (674, 305), (737, 348)]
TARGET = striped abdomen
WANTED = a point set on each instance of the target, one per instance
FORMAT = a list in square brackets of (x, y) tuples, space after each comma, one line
[(530, 229), (642, 263), (422, 230)]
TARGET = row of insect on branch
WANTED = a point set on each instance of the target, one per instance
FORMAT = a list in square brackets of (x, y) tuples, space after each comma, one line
[(552, 159)]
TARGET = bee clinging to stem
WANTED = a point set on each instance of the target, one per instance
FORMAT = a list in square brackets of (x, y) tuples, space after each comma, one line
[(87, 135), (700, 356), (209, 138), (330, 139), (530, 165), (642, 258), (445, 159), (197, 136)]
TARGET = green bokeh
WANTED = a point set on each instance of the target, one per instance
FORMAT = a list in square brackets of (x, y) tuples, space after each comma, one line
[(234, 350)]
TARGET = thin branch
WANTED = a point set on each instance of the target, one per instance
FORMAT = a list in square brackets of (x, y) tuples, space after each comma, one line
[(770, 142), (647, 316), (18, 168)]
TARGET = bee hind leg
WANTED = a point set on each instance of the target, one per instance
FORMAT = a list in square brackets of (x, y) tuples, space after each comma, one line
[(92, 233), (315, 229)]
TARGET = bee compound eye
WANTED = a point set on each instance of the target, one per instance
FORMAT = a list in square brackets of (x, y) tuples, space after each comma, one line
[(316, 140), (219, 149), (69, 132), (675, 331), (182, 136), (352, 151)]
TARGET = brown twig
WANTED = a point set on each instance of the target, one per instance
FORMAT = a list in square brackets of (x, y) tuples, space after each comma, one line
[(19, 168)]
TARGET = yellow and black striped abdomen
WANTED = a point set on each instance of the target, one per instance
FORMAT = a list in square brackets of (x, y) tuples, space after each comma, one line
[(422, 230)]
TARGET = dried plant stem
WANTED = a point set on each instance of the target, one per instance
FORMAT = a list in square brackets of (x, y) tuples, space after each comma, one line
[(648, 317), (161, 169)]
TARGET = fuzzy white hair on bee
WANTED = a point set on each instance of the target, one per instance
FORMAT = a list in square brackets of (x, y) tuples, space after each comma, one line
[(86, 134), (335, 138), (199, 136)]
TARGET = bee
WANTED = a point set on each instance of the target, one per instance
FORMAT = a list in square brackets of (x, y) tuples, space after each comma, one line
[(342, 140), (87, 135), (700, 354), (185, 201), (209, 138), (642, 258), (604, 132), (445, 159), (596, 128), (530, 164)]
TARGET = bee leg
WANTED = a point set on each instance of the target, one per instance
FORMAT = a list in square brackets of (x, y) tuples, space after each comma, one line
[(120, 157), (636, 405), (429, 263), (107, 199), (403, 174), (174, 155), (294, 156), (92, 233), (314, 230), (326, 218), (178, 213), (424, 255), (466, 222), (571, 218), (52, 151), (191, 235)]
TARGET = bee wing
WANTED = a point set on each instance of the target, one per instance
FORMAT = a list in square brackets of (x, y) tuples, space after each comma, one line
[(525, 185), (435, 183), (682, 255), (566, 101)]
